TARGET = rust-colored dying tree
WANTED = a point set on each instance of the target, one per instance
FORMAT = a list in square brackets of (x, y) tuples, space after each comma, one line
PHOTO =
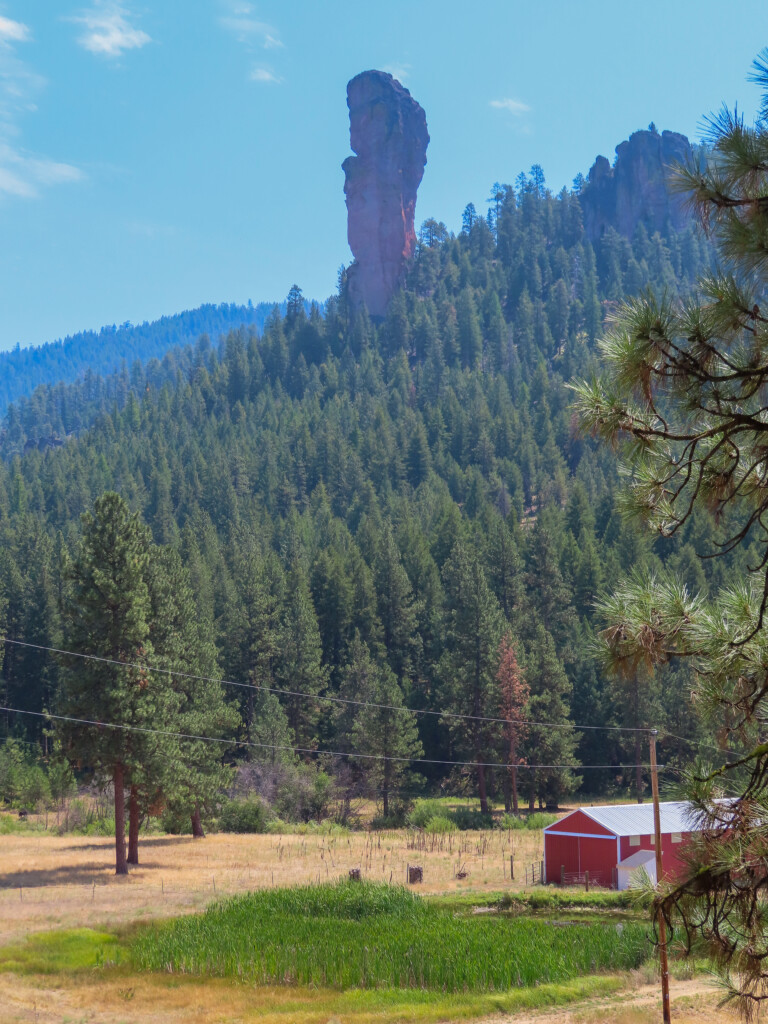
[(514, 693)]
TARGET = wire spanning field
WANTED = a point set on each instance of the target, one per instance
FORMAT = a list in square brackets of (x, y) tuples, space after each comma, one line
[(369, 935), (51, 881)]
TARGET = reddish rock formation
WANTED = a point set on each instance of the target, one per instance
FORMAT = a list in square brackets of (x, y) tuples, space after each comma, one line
[(635, 189), (388, 132)]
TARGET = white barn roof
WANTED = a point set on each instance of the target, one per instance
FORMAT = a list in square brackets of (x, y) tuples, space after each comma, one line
[(637, 819)]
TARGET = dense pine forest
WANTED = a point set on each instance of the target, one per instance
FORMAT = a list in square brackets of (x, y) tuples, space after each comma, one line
[(379, 512), (101, 352)]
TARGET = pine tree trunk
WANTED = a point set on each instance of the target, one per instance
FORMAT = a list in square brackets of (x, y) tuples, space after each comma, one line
[(197, 826), (532, 794), (385, 796), (515, 808), (133, 827), (118, 779), (638, 769), (507, 784), (481, 789)]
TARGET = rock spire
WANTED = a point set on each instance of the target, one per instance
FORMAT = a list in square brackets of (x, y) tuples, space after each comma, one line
[(635, 190), (388, 132)]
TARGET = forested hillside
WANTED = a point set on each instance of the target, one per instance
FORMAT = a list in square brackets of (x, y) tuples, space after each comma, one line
[(367, 510), (101, 352)]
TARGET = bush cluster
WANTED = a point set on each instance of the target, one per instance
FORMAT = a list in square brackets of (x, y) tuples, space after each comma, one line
[(433, 816), (27, 783)]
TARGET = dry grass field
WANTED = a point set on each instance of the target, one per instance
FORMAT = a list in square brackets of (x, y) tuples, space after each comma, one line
[(49, 881), (52, 882)]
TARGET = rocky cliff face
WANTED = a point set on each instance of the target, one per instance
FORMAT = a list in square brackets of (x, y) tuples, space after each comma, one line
[(635, 189), (388, 132)]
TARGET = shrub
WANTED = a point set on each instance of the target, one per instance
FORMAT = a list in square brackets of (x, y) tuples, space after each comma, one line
[(304, 794), (530, 822), (12, 764), (439, 824), (33, 788), (307, 828), (423, 810), (176, 822), (467, 819), (249, 815)]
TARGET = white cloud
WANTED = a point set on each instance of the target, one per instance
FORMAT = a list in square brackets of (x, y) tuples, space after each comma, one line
[(108, 29), (398, 71), (516, 107), (23, 175), (13, 31), (247, 29), (264, 75)]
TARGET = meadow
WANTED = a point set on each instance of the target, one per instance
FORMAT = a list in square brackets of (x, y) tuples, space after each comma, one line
[(49, 881), (372, 935), (72, 935)]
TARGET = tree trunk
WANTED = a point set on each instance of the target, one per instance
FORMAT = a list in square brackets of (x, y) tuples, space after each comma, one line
[(532, 794), (385, 796), (481, 789), (515, 808), (638, 769), (506, 782), (133, 827), (197, 826), (118, 779)]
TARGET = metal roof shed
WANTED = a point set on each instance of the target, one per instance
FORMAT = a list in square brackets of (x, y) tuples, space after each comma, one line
[(598, 839), (642, 860)]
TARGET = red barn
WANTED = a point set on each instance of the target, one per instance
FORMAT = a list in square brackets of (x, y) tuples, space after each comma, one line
[(598, 839)]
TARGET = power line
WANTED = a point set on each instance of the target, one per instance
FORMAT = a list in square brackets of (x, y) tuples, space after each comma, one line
[(304, 750), (704, 746), (317, 696)]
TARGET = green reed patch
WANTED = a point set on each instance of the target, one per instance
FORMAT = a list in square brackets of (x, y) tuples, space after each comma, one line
[(366, 935)]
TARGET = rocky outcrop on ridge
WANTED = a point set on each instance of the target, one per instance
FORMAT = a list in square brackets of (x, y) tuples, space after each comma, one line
[(388, 132), (635, 190)]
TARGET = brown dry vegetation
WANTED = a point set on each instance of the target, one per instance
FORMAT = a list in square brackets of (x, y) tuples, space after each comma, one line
[(49, 881), (159, 1000)]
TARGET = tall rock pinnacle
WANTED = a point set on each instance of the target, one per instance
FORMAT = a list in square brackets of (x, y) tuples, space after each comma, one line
[(388, 132), (636, 189)]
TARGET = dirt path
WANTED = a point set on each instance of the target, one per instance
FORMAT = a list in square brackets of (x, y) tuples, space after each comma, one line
[(692, 1002)]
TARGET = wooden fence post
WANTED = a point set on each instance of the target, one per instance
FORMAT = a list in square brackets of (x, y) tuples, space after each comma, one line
[(511, 867), (562, 874), (541, 872), (586, 881)]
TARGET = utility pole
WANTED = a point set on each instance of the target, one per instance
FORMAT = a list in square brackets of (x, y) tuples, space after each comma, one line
[(660, 923)]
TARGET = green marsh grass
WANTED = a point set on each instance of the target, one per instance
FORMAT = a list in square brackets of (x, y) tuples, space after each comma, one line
[(367, 935)]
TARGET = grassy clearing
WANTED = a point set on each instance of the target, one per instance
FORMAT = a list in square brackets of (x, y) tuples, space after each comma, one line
[(50, 952), (364, 935)]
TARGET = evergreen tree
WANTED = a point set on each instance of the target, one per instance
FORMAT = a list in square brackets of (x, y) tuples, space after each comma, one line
[(470, 663), (300, 666), (108, 615), (514, 696), (184, 646), (389, 734), (554, 741)]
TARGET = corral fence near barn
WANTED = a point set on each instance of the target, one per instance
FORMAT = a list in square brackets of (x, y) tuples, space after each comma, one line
[(534, 875), (582, 878)]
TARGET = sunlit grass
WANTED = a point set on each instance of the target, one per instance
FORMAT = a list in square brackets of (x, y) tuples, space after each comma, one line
[(363, 935), (66, 950)]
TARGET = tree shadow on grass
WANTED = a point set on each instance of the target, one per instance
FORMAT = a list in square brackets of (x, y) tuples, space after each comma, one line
[(67, 874), (144, 843)]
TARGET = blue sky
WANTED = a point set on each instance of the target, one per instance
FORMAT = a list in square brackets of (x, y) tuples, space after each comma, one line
[(157, 154)]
